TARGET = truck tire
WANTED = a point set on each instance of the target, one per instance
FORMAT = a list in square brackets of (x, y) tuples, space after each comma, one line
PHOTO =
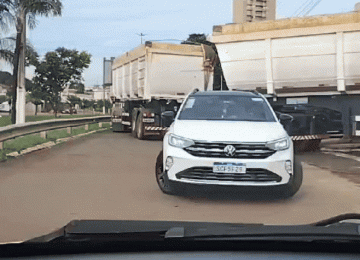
[(162, 178), (294, 185), (133, 126), (139, 128)]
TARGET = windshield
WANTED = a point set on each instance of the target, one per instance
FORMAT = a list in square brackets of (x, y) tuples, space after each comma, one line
[(241, 111), (233, 108)]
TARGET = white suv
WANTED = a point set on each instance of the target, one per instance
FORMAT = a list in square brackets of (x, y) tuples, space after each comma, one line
[(228, 139)]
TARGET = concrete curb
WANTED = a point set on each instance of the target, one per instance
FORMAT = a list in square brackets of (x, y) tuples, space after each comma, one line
[(50, 144), (336, 150)]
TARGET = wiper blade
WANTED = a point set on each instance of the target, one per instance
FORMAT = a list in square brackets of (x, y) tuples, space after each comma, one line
[(337, 219), (111, 231)]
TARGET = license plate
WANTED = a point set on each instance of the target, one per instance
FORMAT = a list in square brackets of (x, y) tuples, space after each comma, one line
[(149, 120), (117, 120), (229, 168)]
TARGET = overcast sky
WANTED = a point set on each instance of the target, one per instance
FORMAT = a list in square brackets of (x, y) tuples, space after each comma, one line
[(108, 28)]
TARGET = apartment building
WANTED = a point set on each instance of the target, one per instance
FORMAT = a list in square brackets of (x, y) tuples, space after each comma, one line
[(245, 11)]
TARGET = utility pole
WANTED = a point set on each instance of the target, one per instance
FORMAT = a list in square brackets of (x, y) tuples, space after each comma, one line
[(141, 35)]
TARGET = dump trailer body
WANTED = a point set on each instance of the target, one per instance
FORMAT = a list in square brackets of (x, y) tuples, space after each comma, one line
[(155, 78), (311, 60)]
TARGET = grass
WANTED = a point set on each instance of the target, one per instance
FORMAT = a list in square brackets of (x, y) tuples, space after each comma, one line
[(21, 143), (4, 121), (57, 134), (24, 142)]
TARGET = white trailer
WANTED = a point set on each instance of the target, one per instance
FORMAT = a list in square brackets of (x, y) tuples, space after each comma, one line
[(313, 60), (155, 78)]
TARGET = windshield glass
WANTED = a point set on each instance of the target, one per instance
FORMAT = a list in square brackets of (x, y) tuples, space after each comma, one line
[(233, 108), (237, 111)]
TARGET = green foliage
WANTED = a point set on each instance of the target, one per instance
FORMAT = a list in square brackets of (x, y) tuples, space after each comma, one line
[(58, 69), (93, 127), (78, 130), (19, 14), (3, 99), (87, 103), (57, 134), (73, 100), (100, 104), (4, 121), (2, 155), (24, 142), (80, 87)]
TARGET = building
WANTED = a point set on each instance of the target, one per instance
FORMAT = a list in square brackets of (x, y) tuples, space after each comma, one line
[(100, 93), (253, 10), (96, 93), (3, 89)]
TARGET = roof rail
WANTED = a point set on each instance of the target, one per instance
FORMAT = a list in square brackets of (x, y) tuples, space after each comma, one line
[(195, 91), (244, 90)]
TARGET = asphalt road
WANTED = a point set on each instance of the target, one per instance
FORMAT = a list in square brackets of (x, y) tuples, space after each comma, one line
[(111, 176)]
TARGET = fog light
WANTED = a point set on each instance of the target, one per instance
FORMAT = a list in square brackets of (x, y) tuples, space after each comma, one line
[(169, 163), (288, 167)]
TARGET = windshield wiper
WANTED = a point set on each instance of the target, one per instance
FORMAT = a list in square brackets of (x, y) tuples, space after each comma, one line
[(104, 231), (337, 219)]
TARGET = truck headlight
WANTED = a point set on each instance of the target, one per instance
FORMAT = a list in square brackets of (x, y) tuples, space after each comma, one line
[(279, 145), (180, 142)]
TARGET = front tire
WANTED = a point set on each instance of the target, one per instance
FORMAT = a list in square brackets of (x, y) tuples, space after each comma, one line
[(162, 177)]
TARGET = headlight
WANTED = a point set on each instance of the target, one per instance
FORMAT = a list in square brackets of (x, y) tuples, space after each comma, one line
[(180, 142), (279, 145)]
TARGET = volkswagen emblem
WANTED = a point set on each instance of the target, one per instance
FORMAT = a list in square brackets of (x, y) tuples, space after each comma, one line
[(229, 150)]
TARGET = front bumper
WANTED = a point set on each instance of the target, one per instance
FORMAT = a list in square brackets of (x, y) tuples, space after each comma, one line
[(190, 169)]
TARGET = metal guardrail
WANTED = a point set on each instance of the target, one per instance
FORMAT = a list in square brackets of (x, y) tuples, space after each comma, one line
[(13, 131)]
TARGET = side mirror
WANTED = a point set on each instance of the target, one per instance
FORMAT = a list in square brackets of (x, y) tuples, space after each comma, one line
[(284, 118), (168, 114), (167, 117)]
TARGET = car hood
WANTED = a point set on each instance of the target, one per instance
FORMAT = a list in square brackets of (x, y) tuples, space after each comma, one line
[(229, 131)]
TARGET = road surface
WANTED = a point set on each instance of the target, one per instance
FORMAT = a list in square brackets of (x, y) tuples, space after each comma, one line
[(111, 176)]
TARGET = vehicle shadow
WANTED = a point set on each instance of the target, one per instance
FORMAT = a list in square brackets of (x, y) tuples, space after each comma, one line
[(230, 194)]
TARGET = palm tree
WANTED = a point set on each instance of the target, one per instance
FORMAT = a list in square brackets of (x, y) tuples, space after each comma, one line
[(18, 13)]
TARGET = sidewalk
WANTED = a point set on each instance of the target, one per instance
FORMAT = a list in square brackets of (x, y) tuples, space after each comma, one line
[(341, 145)]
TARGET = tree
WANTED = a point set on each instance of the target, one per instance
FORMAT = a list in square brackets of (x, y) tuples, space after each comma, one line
[(18, 13), (35, 95), (87, 103), (72, 101), (58, 69), (219, 79), (80, 87), (3, 99), (7, 52)]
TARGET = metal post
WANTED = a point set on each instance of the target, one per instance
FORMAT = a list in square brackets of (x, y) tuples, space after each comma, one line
[(69, 130), (312, 125), (221, 83), (87, 127), (43, 134)]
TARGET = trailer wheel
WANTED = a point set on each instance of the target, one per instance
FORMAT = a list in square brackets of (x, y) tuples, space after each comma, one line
[(294, 185), (139, 128), (162, 177)]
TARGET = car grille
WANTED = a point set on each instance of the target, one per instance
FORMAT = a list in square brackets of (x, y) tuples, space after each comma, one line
[(206, 173), (243, 151)]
